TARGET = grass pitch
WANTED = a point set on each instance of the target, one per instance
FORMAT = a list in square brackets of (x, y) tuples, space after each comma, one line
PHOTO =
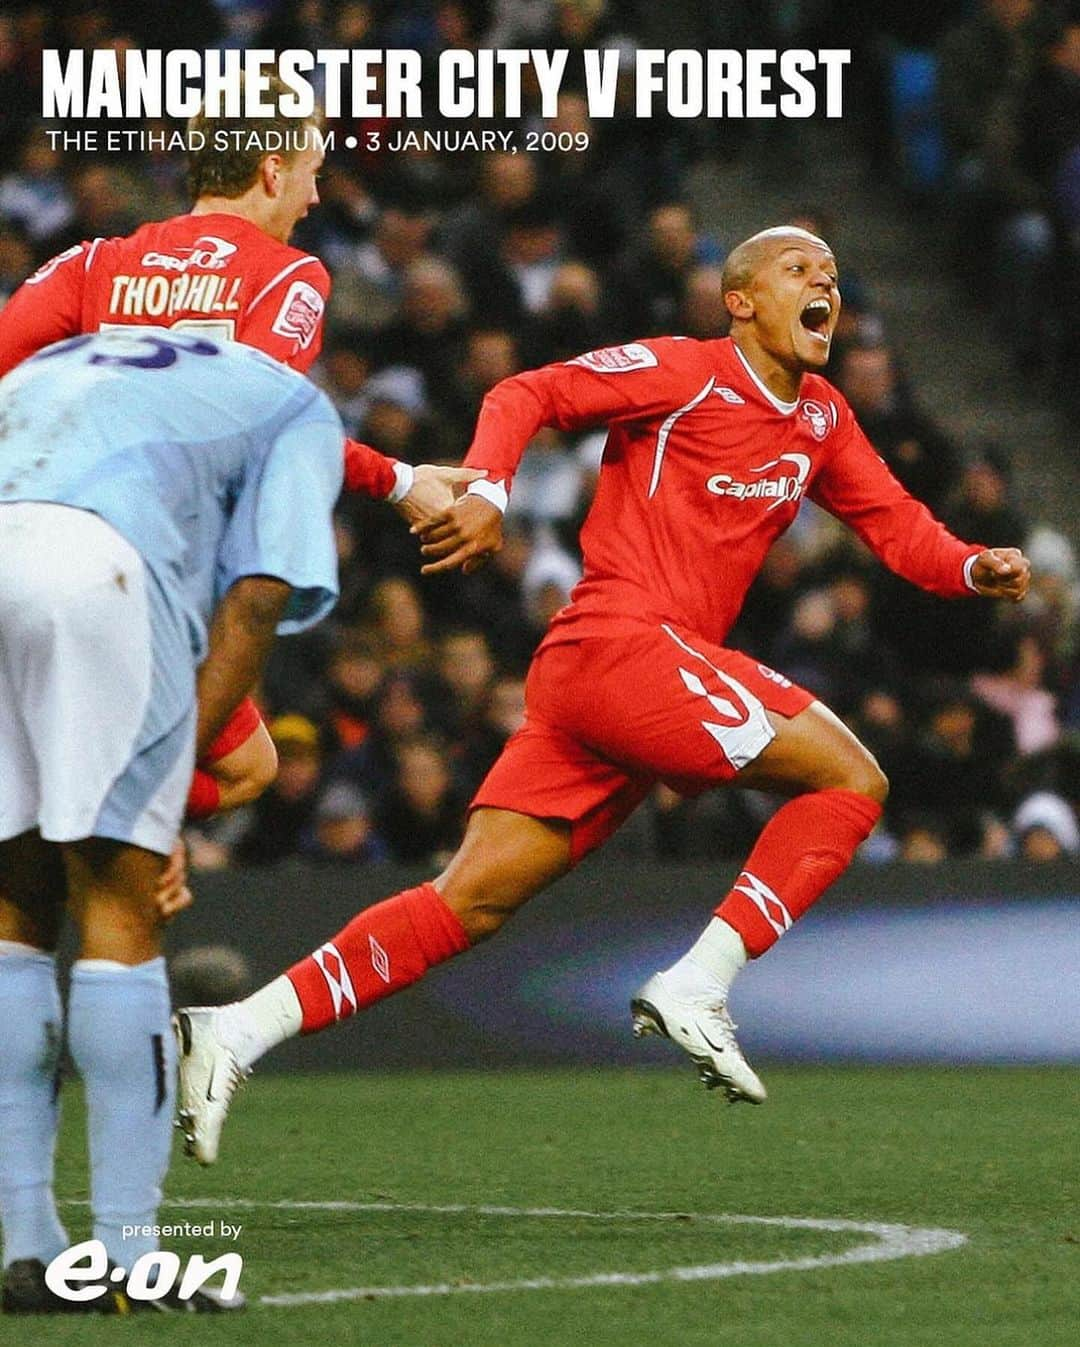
[(436, 1177)]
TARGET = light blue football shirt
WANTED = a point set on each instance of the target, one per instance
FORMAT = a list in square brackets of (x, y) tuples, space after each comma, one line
[(214, 461)]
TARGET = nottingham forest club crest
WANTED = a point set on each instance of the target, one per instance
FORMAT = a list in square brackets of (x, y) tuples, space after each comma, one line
[(817, 417)]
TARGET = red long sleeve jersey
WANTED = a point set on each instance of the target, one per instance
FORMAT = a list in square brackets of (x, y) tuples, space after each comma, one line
[(703, 469), (215, 273)]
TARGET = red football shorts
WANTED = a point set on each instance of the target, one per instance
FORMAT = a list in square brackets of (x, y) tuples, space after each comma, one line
[(607, 718)]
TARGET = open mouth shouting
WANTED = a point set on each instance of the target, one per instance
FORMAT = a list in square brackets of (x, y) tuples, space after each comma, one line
[(816, 316)]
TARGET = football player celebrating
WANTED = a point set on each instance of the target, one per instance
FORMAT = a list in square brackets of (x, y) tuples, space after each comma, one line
[(711, 447)]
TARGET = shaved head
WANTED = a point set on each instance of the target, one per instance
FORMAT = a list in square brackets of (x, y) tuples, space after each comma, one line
[(745, 259)]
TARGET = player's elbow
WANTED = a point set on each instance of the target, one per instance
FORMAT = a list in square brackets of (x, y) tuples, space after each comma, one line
[(248, 771), (262, 769), (256, 603)]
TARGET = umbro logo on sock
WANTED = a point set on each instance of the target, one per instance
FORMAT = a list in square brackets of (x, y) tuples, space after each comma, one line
[(380, 960)]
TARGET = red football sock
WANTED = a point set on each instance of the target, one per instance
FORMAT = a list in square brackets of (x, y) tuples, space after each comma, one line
[(803, 848), (384, 948)]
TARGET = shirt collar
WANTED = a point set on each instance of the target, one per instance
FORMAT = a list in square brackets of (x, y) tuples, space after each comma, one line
[(785, 407)]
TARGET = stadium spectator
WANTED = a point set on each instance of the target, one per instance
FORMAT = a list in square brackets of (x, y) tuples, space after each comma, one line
[(1020, 693), (506, 182), (988, 61), (281, 816), (649, 286), (431, 328), (400, 716), (16, 259), (915, 448), (922, 840), (501, 715), (703, 314), (569, 321), (952, 772), (465, 669), (342, 830), (595, 193), (354, 675), (375, 269), (344, 372), (1046, 828), (397, 623), (36, 197), (420, 813), (985, 508), (1050, 144), (397, 410)]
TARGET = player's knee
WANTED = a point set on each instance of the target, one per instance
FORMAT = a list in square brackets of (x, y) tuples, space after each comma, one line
[(126, 932), (865, 777), (36, 925)]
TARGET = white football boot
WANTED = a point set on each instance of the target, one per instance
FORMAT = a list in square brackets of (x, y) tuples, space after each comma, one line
[(706, 1031), (209, 1076)]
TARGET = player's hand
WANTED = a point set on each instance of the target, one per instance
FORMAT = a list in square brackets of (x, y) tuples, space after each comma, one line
[(1002, 573), (433, 491), (461, 538), (172, 894)]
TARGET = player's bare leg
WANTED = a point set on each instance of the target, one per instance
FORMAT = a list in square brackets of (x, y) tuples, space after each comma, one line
[(839, 790), (32, 893), (119, 1035), (504, 859)]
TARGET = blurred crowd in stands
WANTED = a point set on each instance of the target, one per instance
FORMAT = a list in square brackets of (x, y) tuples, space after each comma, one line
[(452, 272)]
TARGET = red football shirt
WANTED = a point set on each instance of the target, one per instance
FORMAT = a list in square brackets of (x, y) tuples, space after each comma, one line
[(703, 469), (215, 273)]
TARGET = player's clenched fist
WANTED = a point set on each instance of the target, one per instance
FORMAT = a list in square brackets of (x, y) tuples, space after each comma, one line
[(1002, 573), (461, 538)]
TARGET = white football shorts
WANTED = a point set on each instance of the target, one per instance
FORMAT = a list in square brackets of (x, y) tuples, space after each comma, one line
[(97, 704)]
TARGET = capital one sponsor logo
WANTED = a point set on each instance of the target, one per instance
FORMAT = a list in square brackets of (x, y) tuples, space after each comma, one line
[(82, 1273), (786, 485), (208, 253)]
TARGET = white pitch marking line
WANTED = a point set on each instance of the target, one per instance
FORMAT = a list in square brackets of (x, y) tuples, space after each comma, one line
[(891, 1242)]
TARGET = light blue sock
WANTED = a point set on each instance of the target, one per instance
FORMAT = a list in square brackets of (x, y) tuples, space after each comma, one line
[(30, 1038), (118, 1029)]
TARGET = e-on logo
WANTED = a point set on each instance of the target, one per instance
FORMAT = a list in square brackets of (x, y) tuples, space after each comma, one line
[(82, 1273)]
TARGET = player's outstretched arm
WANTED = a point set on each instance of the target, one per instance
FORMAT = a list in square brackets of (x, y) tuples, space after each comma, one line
[(461, 538), (433, 491), (1001, 573)]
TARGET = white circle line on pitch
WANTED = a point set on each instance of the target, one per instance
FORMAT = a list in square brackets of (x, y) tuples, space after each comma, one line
[(888, 1242)]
